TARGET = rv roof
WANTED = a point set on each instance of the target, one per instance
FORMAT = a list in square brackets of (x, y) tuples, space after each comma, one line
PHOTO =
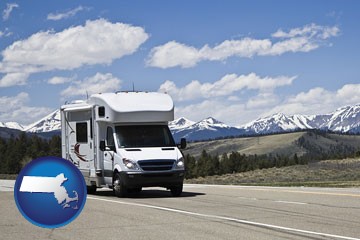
[(76, 106), (134, 101)]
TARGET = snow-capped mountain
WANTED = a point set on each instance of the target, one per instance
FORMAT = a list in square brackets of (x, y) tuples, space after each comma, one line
[(180, 123), (12, 125), (278, 123), (208, 128), (49, 123), (345, 119)]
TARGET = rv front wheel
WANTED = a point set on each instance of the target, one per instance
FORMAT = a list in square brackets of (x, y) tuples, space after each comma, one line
[(176, 191), (118, 187)]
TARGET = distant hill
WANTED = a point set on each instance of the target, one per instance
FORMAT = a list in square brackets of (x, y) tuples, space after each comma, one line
[(286, 144)]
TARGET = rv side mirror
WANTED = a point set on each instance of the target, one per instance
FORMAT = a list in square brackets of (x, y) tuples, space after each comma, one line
[(111, 148), (183, 143), (102, 145)]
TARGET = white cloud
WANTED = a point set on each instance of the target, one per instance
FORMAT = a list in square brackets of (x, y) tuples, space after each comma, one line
[(59, 80), (214, 108), (226, 86), (13, 79), (97, 42), (309, 31), (5, 33), (349, 93), (96, 84), (318, 101), (15, 108), (65, 15), (246, 47), (303, 39), (262, 100), (7, 11), (173, 54)]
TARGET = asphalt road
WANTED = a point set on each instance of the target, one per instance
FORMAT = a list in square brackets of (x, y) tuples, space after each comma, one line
[(203, 212)]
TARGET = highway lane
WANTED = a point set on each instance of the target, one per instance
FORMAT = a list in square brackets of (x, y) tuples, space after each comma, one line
[(203, 212)]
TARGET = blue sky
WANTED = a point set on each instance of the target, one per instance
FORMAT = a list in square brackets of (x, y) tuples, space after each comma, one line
[(232, 60)]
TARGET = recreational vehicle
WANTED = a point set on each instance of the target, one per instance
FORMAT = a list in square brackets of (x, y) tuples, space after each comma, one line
[(122, 141)]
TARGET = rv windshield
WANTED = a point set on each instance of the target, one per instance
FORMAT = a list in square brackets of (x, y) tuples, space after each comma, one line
[(136, 136)]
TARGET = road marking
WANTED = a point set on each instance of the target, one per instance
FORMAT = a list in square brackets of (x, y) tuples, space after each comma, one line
[(299, 203), (226, 219), (280, 189), (314, 193), (247, 198)]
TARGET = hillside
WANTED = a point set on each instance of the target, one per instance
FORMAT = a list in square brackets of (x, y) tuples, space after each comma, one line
[(329, 173), (286, 144)]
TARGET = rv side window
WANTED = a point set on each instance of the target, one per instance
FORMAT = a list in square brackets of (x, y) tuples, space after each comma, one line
[(81, 132), (110, 137), (101, 111)]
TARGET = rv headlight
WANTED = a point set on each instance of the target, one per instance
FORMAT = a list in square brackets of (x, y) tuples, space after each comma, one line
[(180, 163), (130, 164)]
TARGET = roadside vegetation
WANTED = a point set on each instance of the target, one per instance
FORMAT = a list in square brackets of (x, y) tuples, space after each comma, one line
[(16, 152), (328, 173)]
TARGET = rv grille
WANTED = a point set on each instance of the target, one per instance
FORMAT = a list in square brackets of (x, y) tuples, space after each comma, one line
[(156, 165)]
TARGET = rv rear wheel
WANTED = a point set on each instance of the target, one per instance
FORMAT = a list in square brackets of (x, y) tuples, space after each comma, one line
[(118, 186), (91, 189)]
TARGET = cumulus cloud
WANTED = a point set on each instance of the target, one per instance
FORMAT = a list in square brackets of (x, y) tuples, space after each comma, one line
[(173, 54), (226, 86), (15, 108), (318, 100), (97, 42), (59, 80), (12, 79), (65, 15), (303, 39), (262, 100), (214, 108), (96, 84), (7, 11)]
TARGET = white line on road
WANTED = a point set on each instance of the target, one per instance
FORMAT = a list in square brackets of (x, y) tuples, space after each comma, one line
[(7, 185), (299, 203), (247, 198), (227, 219)]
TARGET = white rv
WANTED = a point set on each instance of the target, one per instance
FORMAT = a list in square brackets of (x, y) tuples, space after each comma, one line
[(122, 141)]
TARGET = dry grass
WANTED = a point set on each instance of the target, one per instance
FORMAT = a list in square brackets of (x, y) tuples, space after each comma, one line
[(330, 173), (8, 176)]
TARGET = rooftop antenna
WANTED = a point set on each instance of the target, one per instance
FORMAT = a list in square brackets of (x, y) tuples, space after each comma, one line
[(133, 87), (87, 95)]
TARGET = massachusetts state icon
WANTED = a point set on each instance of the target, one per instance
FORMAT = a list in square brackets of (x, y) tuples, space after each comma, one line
[(50, 192)]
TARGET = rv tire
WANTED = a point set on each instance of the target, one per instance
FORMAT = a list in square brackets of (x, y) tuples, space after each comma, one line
[(176, 190), (119, 188), (91, 189)]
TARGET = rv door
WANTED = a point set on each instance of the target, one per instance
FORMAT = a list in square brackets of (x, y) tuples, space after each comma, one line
[(80, 139)]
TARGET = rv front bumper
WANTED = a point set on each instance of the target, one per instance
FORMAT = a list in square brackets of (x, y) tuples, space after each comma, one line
[(153, 179)]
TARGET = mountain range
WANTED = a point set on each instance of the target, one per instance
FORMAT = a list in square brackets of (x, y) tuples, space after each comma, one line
[(343, 120)]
